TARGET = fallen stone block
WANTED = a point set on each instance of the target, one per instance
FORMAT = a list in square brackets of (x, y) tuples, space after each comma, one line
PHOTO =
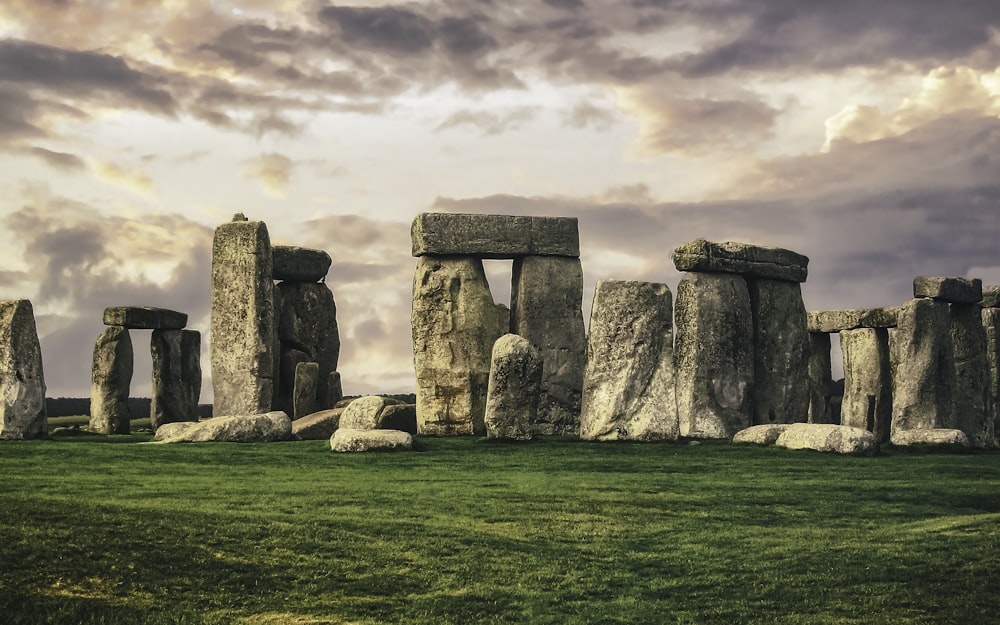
[(345, 440), (494, 236), (299, 264), (940, 436), (366, 413), (838, 320), (838, 439), (318, 426), (400, 417), (259, 428), (22, 382), (954, 290), (755, 261), (766, 434), (144, 318)]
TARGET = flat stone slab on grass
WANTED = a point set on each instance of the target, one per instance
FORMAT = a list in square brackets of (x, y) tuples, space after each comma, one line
[(318, 426), (831, 321), (259, 428), (494, 236), (838, 439), (940, 436), (347, 440), (299, 264), (954, 290), (766, 434), (755, 261), (144, 318)]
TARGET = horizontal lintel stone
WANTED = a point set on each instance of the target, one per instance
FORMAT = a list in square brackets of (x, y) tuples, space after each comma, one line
[(144, 318), (991, 297), (954, 290), (838, 320), (494, 236), (754, 261), (299, 264)]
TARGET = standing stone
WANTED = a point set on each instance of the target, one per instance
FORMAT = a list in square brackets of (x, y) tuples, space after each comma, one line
[(515, 389), (455, 323), (334, 388), (304, 394), (111, 377), (821, 387), (307, 325), (781, 352), (628, 390), (923, 367), (972, 375), (547, 310), (243, 346), (991, 324), (176, 356), (713, 355), (867, 402), (22, 382)]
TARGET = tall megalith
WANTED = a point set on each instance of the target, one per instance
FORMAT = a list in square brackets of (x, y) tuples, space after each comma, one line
[(821, 389), (867, 401), (176, 356), (972, 375), (781, 352), (922, 367), (515, 389), (111, 377), (22, 382), (307, 332)]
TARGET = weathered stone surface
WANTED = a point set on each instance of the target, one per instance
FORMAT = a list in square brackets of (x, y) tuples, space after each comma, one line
[(243, 347), (838, 439), (781, 352), (176, 358), (546, 308), (304, 392), (954, 290), (110, 378), (259, 428), (821, 387), (991, 297), (318, 426), (455, 323), (299, 264), (972, 375), (144, 318), (400, 417), (366, 413), (346, 440), (923, 367), (494, 236), (950, 437), (334, 388), (766, 434), (867, 402), (628, 390), (991, 325), (515, 389), (22, 381), (713, 355), (307, 325), (755, 261), (839, 320)]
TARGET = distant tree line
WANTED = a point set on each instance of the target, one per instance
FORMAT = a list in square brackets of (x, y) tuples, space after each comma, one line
[(138, 407)]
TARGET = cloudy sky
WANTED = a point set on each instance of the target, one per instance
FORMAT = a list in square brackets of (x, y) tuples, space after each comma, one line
[(865, 135)]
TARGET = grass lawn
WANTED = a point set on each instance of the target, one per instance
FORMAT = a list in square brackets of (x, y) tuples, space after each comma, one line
[(97, 530)]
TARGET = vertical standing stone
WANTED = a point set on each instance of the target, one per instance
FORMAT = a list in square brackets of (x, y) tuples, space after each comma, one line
[(334, 388), (547, 309), (22, 382), (515, 389), (304, 400), (781, 352), (923, 367), (867, 402), (972, 374), (713, 355), (111, 377), (820, 379), (628, 390), (455, 324), (307, 326), (176, 356), (991, 325), (242, 319)]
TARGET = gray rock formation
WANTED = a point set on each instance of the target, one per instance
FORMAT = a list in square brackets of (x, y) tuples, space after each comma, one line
[(766, 434), (944, 437), (366, 413), (243, 326), (346, 440), (973, 405), (953, 290), (838, 439), (259, 428), (494, 236), (821, 387), (144, 318), (299, 264), (923, 367), (111, 377), (176, 356), (628, 390), (400, 417), (455, 323), (318, 426), (754, 261), (22, 381), (547, 309), (838, 320), (304, 390), (991, 297), (515, 389), (308, 332), (991, 325), (867, 402), (781, 352), (334, 389), (713, 355)]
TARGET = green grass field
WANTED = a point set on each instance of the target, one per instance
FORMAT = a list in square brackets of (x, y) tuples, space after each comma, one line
[(98, 530)]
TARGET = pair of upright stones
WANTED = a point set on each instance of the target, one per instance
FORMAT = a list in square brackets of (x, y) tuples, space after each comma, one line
[(275, 339), (456, 322)]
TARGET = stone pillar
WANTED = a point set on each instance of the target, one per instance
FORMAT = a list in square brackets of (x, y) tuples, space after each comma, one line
[(455, 324), (781, 352), (820, 379), (243, 349), (991, 324), (515, 389), (111, 377), (306, 386), (546, 308), (923, 367), (176, 356), (307, 324), (972, 375), (334, 388), (628, 390), (713, 355), (22, 382), (867, 402)]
